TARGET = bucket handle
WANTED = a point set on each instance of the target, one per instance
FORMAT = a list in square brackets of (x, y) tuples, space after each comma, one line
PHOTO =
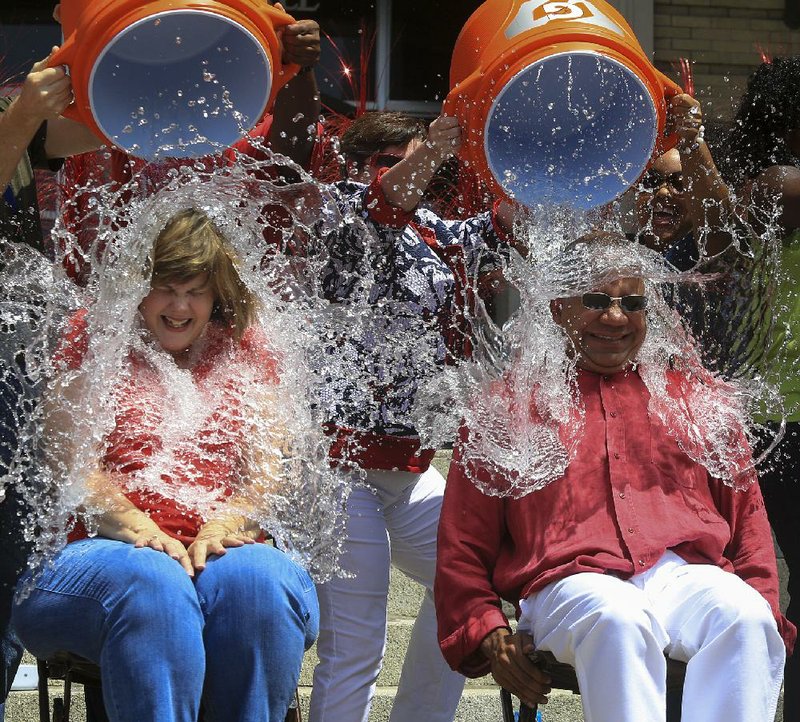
[(63, 56), (454, 103), (280, 18), (671, 89)]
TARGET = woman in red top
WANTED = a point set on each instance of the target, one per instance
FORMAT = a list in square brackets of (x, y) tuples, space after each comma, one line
[(174, 598)]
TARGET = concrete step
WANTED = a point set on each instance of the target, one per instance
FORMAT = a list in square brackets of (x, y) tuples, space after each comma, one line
[(399, 632)]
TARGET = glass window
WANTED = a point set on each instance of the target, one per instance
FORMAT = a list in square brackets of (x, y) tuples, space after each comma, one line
[(423, 36)]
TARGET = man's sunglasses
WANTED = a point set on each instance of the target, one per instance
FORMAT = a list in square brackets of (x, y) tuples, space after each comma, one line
[(602, 302), (653, 181), (385, 160)]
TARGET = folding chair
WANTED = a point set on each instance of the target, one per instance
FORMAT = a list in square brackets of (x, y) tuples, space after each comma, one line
[(563, 677), (71, 668)]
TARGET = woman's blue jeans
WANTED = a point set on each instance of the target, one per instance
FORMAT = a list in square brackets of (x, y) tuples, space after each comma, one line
[(234, 637)]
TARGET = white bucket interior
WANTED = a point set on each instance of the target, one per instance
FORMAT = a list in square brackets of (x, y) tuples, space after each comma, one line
[(179, 83), (573, 128)]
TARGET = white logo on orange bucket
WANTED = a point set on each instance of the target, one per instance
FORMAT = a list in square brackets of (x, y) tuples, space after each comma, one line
[(535, 14)]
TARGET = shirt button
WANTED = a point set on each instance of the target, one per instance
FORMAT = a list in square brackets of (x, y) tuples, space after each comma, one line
[(613, 414), (606, 378), (641, 562), (616, 455), (622, 495), (630, 530)]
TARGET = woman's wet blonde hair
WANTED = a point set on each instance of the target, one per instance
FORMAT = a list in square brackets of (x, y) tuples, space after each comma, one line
[(190, 245)]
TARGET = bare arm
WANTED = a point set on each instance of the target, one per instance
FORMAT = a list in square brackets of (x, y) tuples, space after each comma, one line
[(710, 205), (780, 184), (404, 184), (45, 93), (65, 137), (297, 106)]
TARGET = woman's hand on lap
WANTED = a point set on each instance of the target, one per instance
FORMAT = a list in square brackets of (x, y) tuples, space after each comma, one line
[(161, 542), (212, 540)]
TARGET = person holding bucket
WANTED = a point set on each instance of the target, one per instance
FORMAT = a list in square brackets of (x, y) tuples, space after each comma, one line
[(393, 518), (682, 200), (33, 134)]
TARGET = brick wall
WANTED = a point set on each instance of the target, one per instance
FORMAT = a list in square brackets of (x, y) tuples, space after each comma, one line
[(720, 37)]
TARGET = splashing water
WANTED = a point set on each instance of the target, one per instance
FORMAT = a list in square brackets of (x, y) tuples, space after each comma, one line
[(519, 398), (284, 238)]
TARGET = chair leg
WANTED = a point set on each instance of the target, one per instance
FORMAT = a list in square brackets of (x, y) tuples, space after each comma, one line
[(67, 696), (44, 692), (293, 713), (58, 710), (528, 714), (507, 705)]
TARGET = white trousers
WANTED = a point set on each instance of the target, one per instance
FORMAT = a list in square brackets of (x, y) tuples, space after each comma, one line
[(615, 634), (393, 523)]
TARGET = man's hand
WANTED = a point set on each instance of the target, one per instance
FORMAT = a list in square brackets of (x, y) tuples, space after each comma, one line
[(686, 119), (300, 42), (511, 668), (444, 136), (45, 93), (213, 539)]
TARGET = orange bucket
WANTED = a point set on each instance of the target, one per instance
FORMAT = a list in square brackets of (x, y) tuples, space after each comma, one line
[(169, 78), (557, 101)]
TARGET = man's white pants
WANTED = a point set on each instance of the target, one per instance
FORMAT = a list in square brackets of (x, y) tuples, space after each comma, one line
[(615, 634), (393, 523)]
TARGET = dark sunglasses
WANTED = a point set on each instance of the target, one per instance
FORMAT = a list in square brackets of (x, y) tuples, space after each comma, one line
[(385, 160), (602, 301), (653, 181)]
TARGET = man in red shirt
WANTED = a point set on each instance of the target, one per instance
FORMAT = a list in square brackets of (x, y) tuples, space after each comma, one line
[(634, 552)]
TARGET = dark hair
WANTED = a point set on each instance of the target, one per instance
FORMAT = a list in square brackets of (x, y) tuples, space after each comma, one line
[(770, 107), (372, 132)]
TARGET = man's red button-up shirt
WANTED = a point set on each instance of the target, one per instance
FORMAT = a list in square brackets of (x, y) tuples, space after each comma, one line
[(629, 495)]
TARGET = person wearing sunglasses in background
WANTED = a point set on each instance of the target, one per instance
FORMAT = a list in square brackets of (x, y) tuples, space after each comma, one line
[(634, 550), (685, 210), (682, 204)]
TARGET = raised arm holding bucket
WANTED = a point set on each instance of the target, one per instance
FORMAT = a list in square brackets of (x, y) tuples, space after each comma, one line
[(168, 78), (558, 101)]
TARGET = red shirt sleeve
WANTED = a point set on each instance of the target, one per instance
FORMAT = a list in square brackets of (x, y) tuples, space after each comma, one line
[(260, 355), (751, 550), (74, 344), (471, 526)]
